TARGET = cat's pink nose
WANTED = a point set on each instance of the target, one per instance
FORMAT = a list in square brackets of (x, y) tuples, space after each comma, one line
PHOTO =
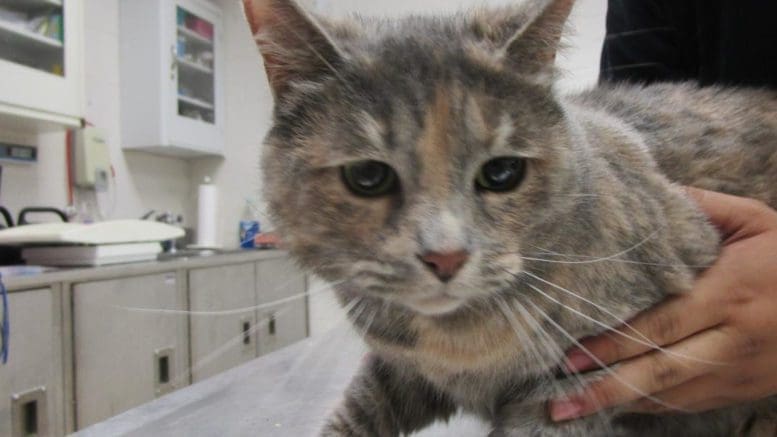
[(444, 265)]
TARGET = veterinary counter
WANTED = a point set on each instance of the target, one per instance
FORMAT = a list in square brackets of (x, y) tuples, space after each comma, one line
[(88, 344)]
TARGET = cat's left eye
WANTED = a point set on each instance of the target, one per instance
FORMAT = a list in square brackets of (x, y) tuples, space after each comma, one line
[(501, 174), (369, 178)]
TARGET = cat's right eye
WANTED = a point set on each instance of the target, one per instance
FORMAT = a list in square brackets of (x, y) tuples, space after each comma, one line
[(501, 174), (369, 178)]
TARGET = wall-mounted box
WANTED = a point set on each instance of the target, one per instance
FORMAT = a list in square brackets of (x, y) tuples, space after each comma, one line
[(93, 162)]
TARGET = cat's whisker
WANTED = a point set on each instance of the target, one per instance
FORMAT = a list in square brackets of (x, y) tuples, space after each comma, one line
[(522, 335), (622, 261), (370, 320), (593, 258), (551, 347), (558, 351), (255, 209), (532, 346), (649, 344), (645, 339), (216, 353), (236, 311), (603, 366), (526, 339), (613, 256), (359, 310), (588, 301), (577, 195), (322, 340)]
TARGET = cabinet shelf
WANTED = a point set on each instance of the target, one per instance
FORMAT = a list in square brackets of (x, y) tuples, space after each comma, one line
[(27, 39), (196, 102), (194, 36), (30, 6), (193, 66)]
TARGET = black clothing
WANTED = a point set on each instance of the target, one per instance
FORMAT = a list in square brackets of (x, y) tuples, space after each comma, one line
[(731, 42)]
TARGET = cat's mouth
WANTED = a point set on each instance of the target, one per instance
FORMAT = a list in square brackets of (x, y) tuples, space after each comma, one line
[(435, 304)]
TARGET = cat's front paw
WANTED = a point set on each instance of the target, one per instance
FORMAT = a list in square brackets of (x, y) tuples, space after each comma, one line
[(578, 428), (338, 426)]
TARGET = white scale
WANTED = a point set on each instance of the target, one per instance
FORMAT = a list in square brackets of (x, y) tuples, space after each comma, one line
[(74, 244)]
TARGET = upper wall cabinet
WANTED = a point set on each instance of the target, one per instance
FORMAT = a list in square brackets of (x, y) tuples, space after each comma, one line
[(41, 80), (171, 77)]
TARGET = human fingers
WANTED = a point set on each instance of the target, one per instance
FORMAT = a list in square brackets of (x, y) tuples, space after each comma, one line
[(665, 324), (645, 375), (734, 216)]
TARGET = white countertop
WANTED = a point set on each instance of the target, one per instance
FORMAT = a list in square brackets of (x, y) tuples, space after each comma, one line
[(42, 279)]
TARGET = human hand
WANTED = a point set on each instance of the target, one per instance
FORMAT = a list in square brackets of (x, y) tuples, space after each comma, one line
[(721, 336)]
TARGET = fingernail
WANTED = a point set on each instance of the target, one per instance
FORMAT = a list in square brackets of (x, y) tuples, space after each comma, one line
[(565, 410), (578, 361)]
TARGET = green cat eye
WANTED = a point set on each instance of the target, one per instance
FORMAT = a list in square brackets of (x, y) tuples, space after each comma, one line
[(369, 178), (501, 174)]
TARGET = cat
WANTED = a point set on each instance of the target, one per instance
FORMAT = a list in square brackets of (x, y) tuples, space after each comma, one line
[(476, 223)]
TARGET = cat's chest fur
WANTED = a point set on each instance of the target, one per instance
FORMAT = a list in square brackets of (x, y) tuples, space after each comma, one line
[(478, 364)]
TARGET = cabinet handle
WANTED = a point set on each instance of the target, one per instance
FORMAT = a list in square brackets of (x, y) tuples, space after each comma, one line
[(173, 61), (164, 371), (246, 328), (29, 413), (271, 324)]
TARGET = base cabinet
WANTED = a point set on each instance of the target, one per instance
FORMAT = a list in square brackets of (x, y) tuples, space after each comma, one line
[(130, 343), (100, 343), (282, 314), (223, 320), (31, 382)]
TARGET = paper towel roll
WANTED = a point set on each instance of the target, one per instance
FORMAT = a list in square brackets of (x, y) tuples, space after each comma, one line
[(207, 207)]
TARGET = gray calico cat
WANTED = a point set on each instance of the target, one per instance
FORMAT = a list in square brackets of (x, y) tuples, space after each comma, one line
[(476, 223)]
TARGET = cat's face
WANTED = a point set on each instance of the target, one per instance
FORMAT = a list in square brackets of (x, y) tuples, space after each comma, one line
[(415, 162)]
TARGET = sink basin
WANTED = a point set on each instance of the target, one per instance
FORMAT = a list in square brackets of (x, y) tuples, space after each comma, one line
[(198, 253), (187, 253)]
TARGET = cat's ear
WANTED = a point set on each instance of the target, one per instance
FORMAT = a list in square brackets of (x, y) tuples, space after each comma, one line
[(533, 47), (294, 46)]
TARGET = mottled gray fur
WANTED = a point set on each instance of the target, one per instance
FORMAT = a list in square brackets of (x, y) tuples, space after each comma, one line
[(435, 98)]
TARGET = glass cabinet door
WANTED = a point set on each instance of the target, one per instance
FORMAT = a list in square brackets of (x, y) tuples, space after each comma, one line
[(32, 34), (196, 66)]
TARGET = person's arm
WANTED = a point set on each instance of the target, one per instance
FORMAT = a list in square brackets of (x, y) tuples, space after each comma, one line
[(721, 336), (647, 41)]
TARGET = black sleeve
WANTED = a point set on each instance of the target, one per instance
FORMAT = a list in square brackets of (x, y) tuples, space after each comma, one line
[(644, 43)]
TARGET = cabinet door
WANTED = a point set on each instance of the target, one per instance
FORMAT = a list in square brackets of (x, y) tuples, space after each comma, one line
[(31, 397), (282, 318), (196, 80), (40, 58), (128, 349), (223, 333)]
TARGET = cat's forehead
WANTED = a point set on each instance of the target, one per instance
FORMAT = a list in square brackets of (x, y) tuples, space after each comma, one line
[(449, 114), (422, 48), (491, 28), (400, 82)]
